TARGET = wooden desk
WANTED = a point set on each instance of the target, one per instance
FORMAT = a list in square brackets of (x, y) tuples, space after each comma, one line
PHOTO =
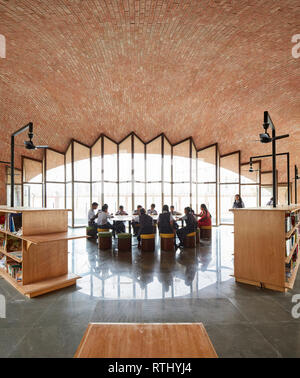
[(145, 340)]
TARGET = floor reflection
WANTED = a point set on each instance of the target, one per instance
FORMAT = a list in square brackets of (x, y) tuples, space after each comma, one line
[(136, 275)]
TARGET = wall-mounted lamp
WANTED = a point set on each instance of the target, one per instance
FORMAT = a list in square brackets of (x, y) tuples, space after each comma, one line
[(266, 138)]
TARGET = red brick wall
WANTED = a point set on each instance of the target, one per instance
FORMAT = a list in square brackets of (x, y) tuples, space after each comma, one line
[(206, 69), (2, 185)]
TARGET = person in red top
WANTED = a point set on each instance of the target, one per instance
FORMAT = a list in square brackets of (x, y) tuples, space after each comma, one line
[(205, 217)]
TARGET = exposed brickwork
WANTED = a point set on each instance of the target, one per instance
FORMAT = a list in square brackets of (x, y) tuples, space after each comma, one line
[(206, 69), (2, 185)]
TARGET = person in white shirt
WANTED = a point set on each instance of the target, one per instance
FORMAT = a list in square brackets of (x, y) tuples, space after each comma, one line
[(152, 210), (91, 219), (102, 220), (174, 212), (91, 214), (120, 226), (136, 219)]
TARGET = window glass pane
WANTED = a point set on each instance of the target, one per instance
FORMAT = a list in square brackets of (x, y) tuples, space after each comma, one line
[(69, 202), (207, 164), (154, 160), (81, 162), (96, 161), (96, 193), (69, 164), (282, 194), (81, 203), (139, 160), (111, 196), (18, 195), (154, 195), (32, 170), (227, 193), (110, 160), (266, 195), (194, 197), (229, 168), (167, 161), (139, 194), (125, 191), (266, 178), (55, 166), (181, 196), (167, 194), (18, 176), (194, 162), (250, 195), (207, 195), (181, 162), (33, 195), (250, 177), (55, 196), (125, 160)]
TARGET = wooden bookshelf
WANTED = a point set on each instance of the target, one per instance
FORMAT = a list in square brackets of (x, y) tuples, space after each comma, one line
[(44, 246), (260, 255)]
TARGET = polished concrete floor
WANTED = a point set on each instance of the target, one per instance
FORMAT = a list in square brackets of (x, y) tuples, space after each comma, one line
[(187, 286)]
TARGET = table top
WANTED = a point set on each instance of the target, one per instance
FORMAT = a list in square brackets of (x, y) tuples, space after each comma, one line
[(145, 340), (125, 218)]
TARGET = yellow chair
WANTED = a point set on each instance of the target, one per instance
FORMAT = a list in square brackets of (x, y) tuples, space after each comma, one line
[(167, 242), (205, 232), (148, 242), (190, 240)]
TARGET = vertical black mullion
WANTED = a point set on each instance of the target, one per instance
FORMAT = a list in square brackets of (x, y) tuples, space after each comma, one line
[(72, 173), (145, 157), (172, 193), (118, 176), (22, 180), (259, 191), (162, 169), (91, 176), (65, 181), (45, 179), (191, 202), (239, 154), (132, 172), (102, 170)]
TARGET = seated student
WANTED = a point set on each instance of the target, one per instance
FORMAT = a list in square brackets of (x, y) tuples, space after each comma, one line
[(205, 216), (174, 212), (238, 202), (91, 218), (152, 210), (191, 226), (146, 225), (103, 217), (166, 221), (135, 221), (120, 226)]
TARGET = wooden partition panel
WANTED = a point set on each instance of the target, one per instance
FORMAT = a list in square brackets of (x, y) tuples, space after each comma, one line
[(45, 222)]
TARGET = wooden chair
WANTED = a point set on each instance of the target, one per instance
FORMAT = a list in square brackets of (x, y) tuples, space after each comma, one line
[(167, 242), (205, 232), (104, 239), (148, 242), (190, 240), (124, 242)]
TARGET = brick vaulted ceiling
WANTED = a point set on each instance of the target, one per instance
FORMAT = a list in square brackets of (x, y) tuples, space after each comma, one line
[(206, 69)]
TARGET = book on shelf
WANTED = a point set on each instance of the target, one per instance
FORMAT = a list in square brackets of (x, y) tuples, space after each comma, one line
[(13, 244), (17, 254), (288, 223), (15, 270)]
